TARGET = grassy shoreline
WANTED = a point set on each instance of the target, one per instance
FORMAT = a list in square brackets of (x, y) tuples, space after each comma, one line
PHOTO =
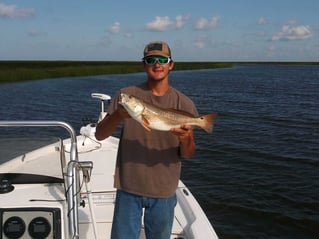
[(16, 71)]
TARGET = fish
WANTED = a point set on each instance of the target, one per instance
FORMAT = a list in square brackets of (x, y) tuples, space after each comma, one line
[(157, 118)]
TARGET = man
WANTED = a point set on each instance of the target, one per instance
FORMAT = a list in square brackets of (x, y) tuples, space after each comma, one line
[(148, 163)]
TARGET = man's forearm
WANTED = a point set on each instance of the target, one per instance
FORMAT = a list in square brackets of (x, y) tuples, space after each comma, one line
[(107, 126)]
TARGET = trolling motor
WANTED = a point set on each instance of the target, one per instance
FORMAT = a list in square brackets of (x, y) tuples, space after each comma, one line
[(89, 130), (103, 98)]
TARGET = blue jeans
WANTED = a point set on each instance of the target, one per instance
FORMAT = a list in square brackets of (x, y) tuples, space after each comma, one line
[(127, 219)]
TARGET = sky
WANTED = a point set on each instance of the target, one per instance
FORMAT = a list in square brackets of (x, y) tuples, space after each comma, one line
[(201, 30)]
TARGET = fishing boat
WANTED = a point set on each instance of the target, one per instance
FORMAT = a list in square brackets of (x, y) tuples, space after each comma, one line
[(65, 188)]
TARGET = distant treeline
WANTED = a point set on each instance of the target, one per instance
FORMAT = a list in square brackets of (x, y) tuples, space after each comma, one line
[(14, 71)]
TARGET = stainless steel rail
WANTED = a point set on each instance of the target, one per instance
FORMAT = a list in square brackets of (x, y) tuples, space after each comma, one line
[(73, 181)]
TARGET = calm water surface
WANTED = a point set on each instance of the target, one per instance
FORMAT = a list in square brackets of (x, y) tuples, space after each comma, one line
[(256, 176)]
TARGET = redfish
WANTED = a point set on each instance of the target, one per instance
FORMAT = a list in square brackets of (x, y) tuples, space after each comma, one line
[(154, 117)]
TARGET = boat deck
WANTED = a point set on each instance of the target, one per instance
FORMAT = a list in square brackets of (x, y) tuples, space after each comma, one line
[(39, 189)]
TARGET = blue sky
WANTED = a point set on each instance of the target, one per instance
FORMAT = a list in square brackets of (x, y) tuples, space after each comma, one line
[(216, 30)]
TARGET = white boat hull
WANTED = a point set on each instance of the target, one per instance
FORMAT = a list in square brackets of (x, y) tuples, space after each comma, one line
[(39, 195)]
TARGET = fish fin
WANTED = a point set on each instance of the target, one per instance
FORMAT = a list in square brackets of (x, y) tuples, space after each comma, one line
[(146, 123), (207, 122)]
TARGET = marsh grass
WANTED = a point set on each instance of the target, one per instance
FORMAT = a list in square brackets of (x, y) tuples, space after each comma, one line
[(14, 71)]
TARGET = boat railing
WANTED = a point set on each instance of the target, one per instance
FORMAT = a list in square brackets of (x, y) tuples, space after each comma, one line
[(73, 167)]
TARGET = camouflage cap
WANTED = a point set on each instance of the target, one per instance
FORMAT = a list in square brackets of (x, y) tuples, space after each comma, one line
[(157, 48)]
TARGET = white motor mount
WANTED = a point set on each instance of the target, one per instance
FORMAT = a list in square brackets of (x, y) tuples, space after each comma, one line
[(103, 98), (89, 130)]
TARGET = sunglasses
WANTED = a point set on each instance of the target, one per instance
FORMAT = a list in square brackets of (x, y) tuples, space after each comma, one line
[(160, 60)]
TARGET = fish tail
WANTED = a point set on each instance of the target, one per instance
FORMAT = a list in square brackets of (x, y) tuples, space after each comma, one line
[(207, 122)]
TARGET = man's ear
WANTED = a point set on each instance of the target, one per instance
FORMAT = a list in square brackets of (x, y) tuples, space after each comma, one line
[(171, 65)]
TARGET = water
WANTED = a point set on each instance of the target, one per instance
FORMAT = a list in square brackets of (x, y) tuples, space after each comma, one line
[(256, 176)]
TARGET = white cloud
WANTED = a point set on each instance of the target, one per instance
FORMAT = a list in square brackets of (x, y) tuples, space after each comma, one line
[(262, 21), (128, 34), (289, 33), (199, 44), (204, 24), (203, 42), (181, 21), (115, 28), (160, 24), (12, 11)]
